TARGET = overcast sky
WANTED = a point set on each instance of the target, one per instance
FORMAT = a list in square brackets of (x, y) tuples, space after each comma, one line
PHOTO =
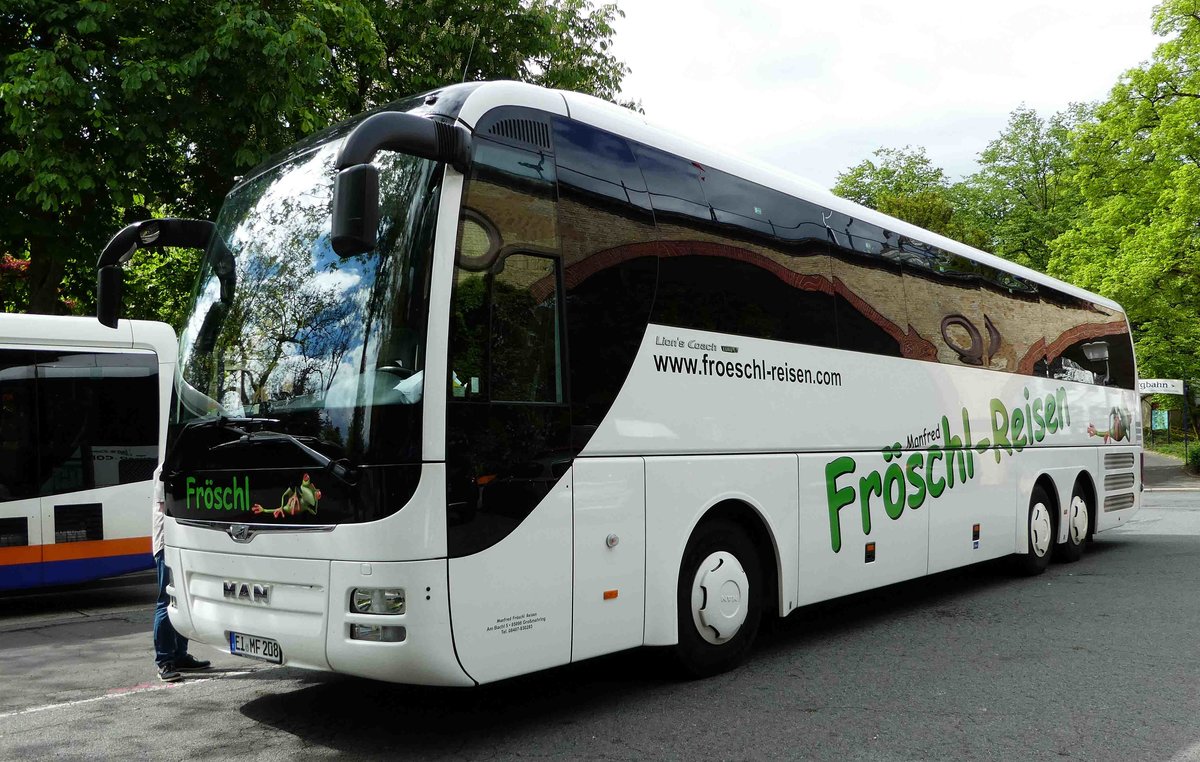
[(814, 88)]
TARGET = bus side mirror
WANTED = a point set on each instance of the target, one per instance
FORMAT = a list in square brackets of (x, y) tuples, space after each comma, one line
[(356, 189), (168, 231), (355, 210), (1097, 351), (110, 282)]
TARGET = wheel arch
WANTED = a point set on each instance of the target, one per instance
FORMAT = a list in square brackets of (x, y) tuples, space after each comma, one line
[(757, 528)]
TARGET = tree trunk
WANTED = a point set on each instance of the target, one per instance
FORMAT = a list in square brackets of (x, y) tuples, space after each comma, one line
[(45, 276)]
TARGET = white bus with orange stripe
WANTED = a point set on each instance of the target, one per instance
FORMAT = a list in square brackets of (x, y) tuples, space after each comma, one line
[(81, 432)]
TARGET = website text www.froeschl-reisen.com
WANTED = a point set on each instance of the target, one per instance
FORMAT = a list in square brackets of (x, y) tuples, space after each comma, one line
[(753, 370)]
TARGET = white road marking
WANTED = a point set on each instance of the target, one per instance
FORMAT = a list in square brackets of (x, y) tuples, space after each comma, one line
[(119, 693)]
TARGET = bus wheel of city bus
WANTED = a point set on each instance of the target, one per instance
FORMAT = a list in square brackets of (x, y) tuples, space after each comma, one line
[(720, 600), (1039, 529), (1078, 525)]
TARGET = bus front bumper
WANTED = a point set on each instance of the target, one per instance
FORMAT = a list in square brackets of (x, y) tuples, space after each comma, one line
[(305, 605)]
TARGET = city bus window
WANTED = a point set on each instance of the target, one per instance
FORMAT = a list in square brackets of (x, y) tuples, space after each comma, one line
[(18, 422), (98, 420)]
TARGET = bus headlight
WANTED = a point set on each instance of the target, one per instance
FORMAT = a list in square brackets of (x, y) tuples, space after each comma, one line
[(371, 600)]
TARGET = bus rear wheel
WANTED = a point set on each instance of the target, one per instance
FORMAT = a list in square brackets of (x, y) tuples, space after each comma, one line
[(1078, 526), (1039, 533), (719, 600)]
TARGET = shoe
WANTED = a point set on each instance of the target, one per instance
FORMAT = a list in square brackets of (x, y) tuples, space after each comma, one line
[(190, 663), (168, 673)]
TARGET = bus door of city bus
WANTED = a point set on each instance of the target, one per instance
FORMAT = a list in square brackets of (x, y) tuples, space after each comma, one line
[(20, 506)]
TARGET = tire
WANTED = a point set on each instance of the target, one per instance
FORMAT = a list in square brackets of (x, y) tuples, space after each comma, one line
[(719, 600), (1039, 533), (1079, 526)]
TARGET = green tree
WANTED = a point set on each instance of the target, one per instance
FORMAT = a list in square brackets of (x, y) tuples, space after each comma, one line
[(1138, 175), (904, 183), (110, 108), (1024, 194), (893, 172)]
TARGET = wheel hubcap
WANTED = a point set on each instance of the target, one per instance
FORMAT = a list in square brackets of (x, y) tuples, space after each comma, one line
[(720, 594), (1079, 519), (1039, 529)]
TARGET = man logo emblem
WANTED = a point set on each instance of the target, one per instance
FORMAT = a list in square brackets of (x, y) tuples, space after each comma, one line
[(250, 592)]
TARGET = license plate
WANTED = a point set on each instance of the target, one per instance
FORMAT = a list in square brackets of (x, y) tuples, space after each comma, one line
[(255, 647)]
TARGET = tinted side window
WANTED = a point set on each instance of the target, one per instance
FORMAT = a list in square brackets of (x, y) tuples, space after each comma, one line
[(742, 204), (674, 184), (98, 420), (526, 333), (872, 315), (507, 420), (598, 166), (610, 263), (743, 293), (944, 304), (1094, 346), (509, 208), (18, 425)]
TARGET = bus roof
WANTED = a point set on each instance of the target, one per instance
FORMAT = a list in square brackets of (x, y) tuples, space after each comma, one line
[(87, 333)]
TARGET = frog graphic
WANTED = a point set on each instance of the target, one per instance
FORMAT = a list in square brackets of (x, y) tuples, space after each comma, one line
[(295, 499), (1118, 426)]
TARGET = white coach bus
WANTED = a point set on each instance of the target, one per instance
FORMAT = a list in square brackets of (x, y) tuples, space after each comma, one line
[(500, 378), (82, 424)]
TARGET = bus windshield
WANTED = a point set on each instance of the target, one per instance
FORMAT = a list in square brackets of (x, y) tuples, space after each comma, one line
[(323, 352)]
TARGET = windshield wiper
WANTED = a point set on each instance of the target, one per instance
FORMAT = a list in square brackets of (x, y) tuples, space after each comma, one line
[(339, 469)]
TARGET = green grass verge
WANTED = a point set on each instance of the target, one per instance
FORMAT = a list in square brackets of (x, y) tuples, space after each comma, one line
[(1174, 448)]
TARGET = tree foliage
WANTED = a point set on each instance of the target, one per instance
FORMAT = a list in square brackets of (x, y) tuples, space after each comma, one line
[(904, 183), (904, 171), (1024, 194), (1138, 178), (1106, 195), (113, 108)]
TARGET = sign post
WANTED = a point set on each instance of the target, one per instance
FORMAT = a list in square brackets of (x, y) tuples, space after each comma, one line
[(1185, 425)]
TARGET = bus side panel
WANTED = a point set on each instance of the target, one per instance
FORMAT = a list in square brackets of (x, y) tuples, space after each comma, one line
[(511, 604), (97, 533), (610, 555), (974, 521), (681, 490), (849, 543), (20, 544)]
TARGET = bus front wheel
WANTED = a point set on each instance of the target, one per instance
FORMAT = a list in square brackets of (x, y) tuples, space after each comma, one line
[(1039, 534), (719, 600)]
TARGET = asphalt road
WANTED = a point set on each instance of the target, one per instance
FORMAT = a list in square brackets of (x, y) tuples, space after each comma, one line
[(1093, 660)]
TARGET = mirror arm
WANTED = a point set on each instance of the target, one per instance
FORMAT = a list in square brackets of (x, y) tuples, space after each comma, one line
[(169, 231), (406, 133)]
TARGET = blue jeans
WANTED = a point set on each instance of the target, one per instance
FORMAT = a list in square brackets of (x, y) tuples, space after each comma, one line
[(169, 646)]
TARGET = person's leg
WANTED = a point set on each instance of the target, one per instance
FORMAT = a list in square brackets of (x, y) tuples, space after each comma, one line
[(165, 637)]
